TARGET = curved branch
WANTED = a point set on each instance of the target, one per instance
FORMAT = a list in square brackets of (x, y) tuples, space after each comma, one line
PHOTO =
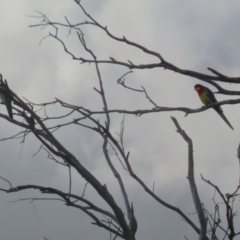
[(161, 64), (153, 110), (66, 198), (195, 196)]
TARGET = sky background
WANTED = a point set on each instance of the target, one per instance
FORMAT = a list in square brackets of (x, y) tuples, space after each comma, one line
[(189, 34)]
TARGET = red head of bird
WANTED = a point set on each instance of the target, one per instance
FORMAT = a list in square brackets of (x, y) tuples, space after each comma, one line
[(199, 88)]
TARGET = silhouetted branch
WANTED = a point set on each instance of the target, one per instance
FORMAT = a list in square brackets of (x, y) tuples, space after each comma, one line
[(229, 209), (193, 187)]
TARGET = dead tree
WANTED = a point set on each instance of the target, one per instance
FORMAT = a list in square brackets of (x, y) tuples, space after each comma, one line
[(28, 117)]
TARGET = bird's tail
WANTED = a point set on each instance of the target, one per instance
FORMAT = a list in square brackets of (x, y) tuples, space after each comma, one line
[(225, 119), (9, 109)]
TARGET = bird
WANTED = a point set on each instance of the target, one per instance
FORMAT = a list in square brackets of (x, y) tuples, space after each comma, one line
[(207, 97), (6, 101)]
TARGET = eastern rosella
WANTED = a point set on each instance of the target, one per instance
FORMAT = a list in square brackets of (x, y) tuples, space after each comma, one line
[(6, 101), (207, 97)]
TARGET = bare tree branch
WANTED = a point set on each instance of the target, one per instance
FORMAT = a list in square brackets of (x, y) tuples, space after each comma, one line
[(195, 196)]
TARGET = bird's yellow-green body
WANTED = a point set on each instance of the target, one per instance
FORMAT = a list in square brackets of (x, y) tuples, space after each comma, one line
[(205, 99)]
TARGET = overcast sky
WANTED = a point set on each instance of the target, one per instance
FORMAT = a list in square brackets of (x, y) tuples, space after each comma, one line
[(192, 35)]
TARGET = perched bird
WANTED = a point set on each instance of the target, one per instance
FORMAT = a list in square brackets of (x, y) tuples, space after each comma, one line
[(6, 101), (207, 97)]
